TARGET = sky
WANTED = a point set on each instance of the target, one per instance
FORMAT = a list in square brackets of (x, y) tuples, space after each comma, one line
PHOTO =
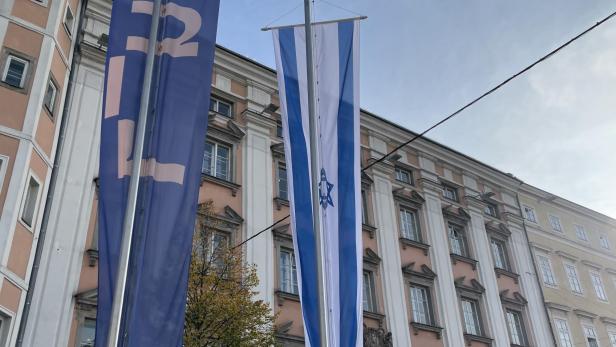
[(554, 127)]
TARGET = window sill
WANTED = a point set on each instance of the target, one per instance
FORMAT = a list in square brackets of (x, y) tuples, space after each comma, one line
[(426, 327), (371, 230), (282, 296), (233, 187), (456, 258), (281, 202), (503, 272), (415, 244), (477, 338)]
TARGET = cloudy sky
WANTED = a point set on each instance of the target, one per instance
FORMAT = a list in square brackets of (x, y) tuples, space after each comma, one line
[(555, 127)]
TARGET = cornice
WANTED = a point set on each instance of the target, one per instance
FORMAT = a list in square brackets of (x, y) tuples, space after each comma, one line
[(559, 307), (584, 314)]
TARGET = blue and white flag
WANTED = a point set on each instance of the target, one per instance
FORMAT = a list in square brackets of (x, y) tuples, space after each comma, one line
[(336, 60), (155, 298)]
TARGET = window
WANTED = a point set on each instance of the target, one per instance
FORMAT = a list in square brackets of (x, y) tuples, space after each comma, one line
[(69, 20), (221, 107), (470, 311), (574, 281), (283, 188), (605, 243), (409, 225), (219, 244), (450, 193), (562, 330), (546, 270), (5, 323), (597, 283), (515, 324), (15, 70), (364, 207), (499, 252), (369, 295), (288, 271), (580, 232), (29, 207), (216, 160), (555, 222), (403, 175), (612, 338), (50, 96), (279, 132), (457, 240), (491, 209), (529, 214), (421, 305), (87, 333), (591, 336)]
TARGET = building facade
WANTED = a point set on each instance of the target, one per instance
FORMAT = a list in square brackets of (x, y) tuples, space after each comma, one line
[(576, 261), (36, 58), (447, 260)]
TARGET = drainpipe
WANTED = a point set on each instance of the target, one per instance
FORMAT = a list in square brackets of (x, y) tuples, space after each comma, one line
[(530, 250), (52, 182)]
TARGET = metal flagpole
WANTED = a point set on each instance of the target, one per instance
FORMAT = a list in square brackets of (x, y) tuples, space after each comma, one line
[(113, 336), (314, 168)]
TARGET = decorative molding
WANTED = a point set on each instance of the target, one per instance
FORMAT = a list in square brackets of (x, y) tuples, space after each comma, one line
[(278, 150), (498, 228), (503, 272), (424, 272), (585, 314), (371, 257), (516, 299), (608, 320), (281, 202), (567, 255), (456, 214), (415, 244), (87, 300), (377, 337), (408, 196), (374, 315), (592, 264), (92, 257), (470, 338), (281, 234), (369, 229), (475, 286), (230, 131), (541, 248), (559, 307), (425, 327), (455, 258), (282, 333), (366, 180), (233, 187), (283, 296)]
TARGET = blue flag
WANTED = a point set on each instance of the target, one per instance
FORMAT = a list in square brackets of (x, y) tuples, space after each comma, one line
[(171, 164), (336, 54)]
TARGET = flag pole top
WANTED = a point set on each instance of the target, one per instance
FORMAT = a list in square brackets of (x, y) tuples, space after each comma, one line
[(315, 23)]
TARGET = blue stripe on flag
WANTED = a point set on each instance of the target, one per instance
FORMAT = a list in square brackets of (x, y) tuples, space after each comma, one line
[(301, 188), (347, 233)]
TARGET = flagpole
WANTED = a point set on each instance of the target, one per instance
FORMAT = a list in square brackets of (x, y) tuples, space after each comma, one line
[(314, 168), (113, 336)]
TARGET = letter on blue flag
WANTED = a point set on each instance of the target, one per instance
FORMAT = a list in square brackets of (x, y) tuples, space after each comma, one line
[(170, 177), (336, 60)]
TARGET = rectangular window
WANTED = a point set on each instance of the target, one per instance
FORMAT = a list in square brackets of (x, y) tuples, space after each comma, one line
[(529, 214), (612, 338), (50, 96), (591, 336), (574, 281), (562, 330), (369, 294), (364, 207), (421, 305), (404, 176), (470, 311), (30, 203), (216, 160), (491, 210), (499, 252), (555, 223), (450, 193), (279, 131), (546, 270), (516, 327), (409, 225), (218, 246), (86, 333), (288, 271), (69, 20), (597, 283), (580, 232), (605, 243), (457, 240), (283, 188), (221, 107), (15, 70)]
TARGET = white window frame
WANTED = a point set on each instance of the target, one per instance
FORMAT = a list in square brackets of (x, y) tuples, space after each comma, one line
[(52, 105), (580, 231), (4, 164), (69, 27), (279, 179), (454, 193), (596, 275), (526, 209), (218, 100), (403, 210), (37, 202), (475, 316), (586, 328), (550, 268), (562, 327), (371, 290), (292, 286), (398, 171), (552, 218), (575, 280), (611, 335), (503, 257), (214, 159), (5, 71), (418, 305), (512, 327)]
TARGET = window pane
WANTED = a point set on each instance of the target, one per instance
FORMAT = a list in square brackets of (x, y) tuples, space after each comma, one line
[(224, 109), (288, 272), (516, 328), (364, 207), (369, 296), (213, 104), (403, 175), (282, 183), (574, 281), (530, 214), (563, 333), (207, 166), (27, 215), (409, 225), (546, 270), (50, 96), (87, 332), (471, 317), (555, 222), (421, 305), (457, 240), (15, 72), (598, 284), (222, 162)]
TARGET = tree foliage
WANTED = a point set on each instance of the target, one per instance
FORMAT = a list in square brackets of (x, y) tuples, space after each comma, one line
[(221, 308)]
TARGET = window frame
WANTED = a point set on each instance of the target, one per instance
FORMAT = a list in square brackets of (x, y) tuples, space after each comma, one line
[(465, 249), (400, 170), (4, 164), (551, 270), (566, 265), (586, 328), (491, 209), (453, 190), (596, 273), (80, 331), (216, 110), (604, 242), (214, 160), (294, 284), (69, 27), (551, 219), (282, 166), (51, 108), (580, 230), (505, 253), (611, 335), (9, 56), (477, 318), (429, 303), (415, 213), (37, 202), (522, 332), (526, 209), (558, 330), (371, 291)]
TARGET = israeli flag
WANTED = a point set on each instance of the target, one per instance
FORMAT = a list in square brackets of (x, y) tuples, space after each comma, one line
[(336, 59)]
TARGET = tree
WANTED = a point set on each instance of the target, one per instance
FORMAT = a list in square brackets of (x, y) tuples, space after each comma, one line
[(221, 308)]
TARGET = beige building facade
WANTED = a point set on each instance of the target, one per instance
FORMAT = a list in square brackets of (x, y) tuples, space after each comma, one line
[(575, 255)]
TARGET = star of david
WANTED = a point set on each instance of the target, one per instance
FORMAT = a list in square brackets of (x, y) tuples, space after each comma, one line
[(325, 191)]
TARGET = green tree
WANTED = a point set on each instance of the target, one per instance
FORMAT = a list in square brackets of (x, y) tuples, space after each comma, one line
[(221, 308)]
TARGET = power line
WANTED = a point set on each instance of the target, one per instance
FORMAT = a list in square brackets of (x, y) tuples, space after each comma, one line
[(512, 77)]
